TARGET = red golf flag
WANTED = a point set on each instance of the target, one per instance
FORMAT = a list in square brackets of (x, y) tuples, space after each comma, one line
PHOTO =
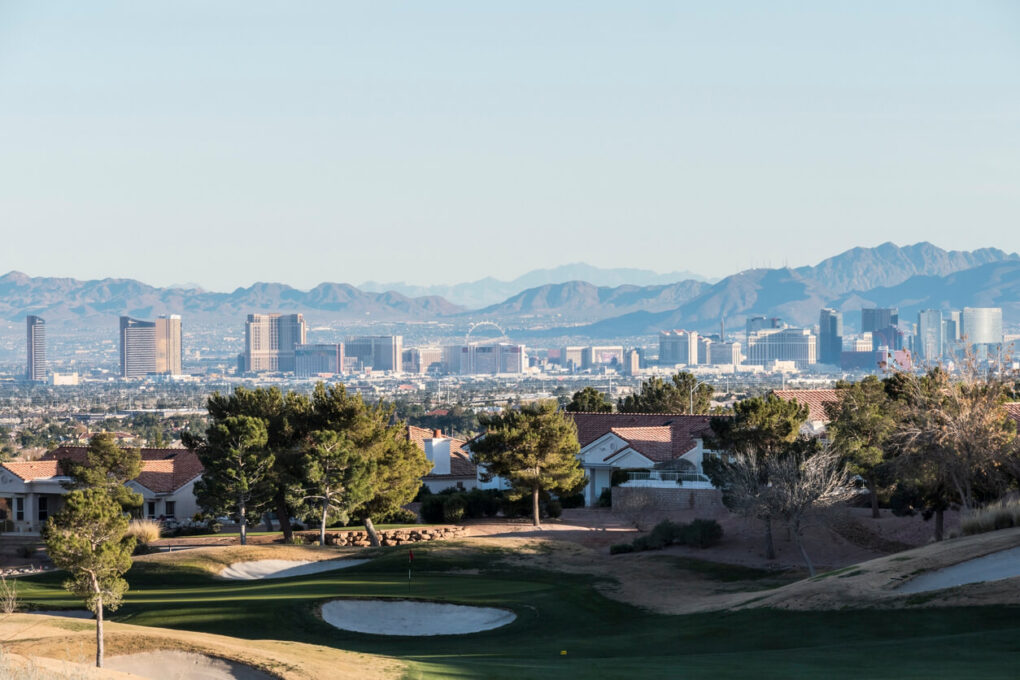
[(410, 555)]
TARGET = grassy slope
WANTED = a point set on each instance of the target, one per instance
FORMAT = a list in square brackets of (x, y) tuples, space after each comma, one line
[(559, 612)]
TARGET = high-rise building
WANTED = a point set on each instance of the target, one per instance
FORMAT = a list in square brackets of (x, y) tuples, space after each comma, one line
[(830, 336), (423, 360), (378, 352), (982, 326), (704, 349), (485, 359), (150, 347), (877, 318), (783, 344), (678, 347), (270, 341), (931, 335), (599, 356), (631, 362), (572, 357), (37, 368), (318, 359), (724, 353), (169, 352)]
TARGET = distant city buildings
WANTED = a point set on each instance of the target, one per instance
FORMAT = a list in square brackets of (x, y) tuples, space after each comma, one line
[(877, 318), (270, 341), (37, 369), (485, 359), (150, 347), (422, 360), (601, 356), (725, 353), (318, 359), (678, 347), (830, 337), (767, 345), (982, 330), (378, 352)]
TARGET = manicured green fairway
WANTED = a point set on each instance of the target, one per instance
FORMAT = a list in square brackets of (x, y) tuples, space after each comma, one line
[(559, 612)]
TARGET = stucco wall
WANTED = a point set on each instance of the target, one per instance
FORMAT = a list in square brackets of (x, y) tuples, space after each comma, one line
[(629, 499)]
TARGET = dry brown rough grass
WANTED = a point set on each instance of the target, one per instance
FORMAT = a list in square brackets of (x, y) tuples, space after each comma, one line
[(50, 637)]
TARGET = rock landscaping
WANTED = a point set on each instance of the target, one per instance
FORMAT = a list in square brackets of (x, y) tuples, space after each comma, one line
[(389, 537)]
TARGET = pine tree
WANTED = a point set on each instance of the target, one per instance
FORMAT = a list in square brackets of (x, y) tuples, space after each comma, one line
[(336, 474), (107, 466), (589, 400), (682, 394), (237, 469), (534, 449), (87, 539), (762, 428)]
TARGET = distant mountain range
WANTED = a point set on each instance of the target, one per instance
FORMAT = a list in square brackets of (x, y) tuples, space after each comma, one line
[(909, 277), (490, 291)]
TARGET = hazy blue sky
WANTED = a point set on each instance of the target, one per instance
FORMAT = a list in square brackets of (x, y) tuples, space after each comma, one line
[(227, 142)]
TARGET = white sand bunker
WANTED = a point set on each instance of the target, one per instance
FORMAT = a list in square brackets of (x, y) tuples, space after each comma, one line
[(405, 617), (259, 569), (170, 665), (994, 567)]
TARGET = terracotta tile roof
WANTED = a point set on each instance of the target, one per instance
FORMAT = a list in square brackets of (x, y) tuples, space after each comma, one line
[(36, 469), (1013, 409), (163, 470), (815, 400), (77, 453), (658, 436), (654, 443), (460, 460)]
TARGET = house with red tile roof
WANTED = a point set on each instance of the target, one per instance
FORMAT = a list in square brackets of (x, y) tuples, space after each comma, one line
[(815, 400), (660, 449), (31, 491), (451, 464)]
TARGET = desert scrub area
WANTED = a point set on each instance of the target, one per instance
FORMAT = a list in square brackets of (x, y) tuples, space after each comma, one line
[(565, 623)]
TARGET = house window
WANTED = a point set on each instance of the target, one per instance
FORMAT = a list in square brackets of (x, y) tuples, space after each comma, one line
[(152, 509), (44, 508), (170, 506), (19, 509)]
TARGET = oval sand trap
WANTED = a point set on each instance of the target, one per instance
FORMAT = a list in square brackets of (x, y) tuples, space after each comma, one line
[(259, 569), (994, 567), (170, 665), (406, 617)]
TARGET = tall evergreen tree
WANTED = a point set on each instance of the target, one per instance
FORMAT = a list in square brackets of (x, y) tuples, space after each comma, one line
[(337, 476), (861, 426), (107, 466), (237, 469), (589, 400), (761, 429), (534, 449), (87, 538)]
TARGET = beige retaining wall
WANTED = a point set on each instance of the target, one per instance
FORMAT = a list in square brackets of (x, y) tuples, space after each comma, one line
[(642, 498)]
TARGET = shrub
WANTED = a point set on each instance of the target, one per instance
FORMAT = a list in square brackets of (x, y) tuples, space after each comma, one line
[(453, 509), (642, 543), (573, 501), (423, 492), (606, 498), (26, 551), (553, 509), (296, 540), (145, 531), (400, 516), (620, 548), (702, 533), (482, 503), (8, 595), (432, 509), (666, 533), (1002, 514)]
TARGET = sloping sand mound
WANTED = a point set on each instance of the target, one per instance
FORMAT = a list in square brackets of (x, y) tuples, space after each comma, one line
[(994, 567), (260, 569), (174, 665), (406, 617)]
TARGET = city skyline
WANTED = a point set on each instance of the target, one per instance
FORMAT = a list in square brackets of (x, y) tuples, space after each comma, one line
[(328, 135)]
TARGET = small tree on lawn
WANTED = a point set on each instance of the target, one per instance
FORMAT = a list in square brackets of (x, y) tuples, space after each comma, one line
[(107, 466), (338, 476), (87, 538), (534, 449), (236, 469)]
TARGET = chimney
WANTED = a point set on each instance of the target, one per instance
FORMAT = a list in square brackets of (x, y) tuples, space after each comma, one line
[(437, 433), (437, 450)]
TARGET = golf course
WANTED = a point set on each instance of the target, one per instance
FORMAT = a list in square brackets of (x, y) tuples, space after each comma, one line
[(564, 625)]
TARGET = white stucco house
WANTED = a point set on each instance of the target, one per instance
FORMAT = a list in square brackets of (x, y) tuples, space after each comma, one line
[(31, 491), (451, 464), (658, 449)]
